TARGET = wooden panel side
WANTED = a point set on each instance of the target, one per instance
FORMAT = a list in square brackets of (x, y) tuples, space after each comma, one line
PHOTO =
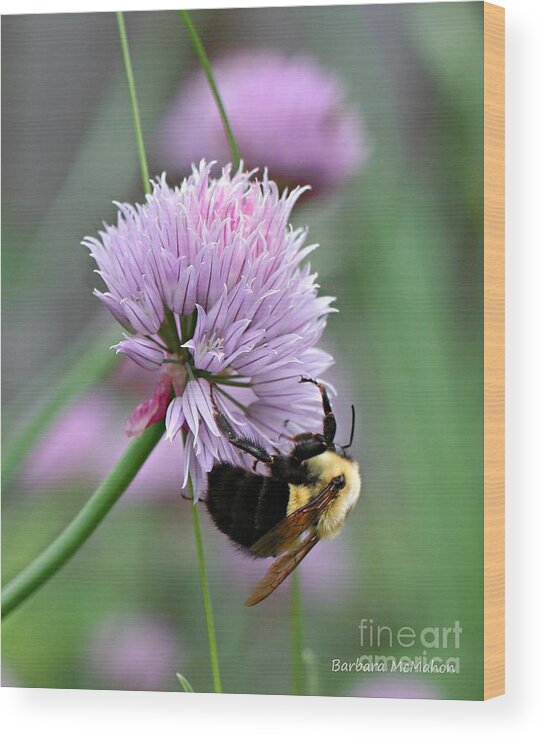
[(493, 351)]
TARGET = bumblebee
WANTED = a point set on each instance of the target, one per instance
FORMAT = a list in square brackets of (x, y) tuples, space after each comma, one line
[(309, 492)]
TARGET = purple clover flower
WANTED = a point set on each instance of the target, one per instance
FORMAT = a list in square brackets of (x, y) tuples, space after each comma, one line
[(207, 280), (287, 113)]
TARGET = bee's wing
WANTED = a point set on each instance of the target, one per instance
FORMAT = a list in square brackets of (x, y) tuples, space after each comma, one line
[(280, 569), (284, 535)]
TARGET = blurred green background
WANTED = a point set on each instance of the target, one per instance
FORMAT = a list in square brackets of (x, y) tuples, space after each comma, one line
[(401, 248)]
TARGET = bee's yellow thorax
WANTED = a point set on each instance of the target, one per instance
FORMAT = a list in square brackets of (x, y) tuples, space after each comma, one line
[(324, 468)]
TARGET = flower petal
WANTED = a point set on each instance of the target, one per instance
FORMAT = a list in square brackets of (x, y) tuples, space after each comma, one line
[(150, 411), (175, 418)]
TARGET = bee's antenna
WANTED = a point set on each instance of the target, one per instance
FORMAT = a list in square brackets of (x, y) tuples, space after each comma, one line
[(352, 428)]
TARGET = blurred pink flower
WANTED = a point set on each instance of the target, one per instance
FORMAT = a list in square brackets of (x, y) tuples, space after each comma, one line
[(287, 114), (85, 443), (134, 653)]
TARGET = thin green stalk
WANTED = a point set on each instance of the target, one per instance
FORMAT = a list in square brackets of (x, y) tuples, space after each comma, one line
[(296, 612), (296, 636), (205, 62), (224, 379), (79, 530), (207, 600), (312, 676), (171, 336), (203, 57), (93, 362), (134, 103)]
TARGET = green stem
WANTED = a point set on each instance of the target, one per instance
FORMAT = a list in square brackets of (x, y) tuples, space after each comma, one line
[(207, 600), (296, 636), (134, 103), (79, 530), (169, 331), (224, 379), (203, 57), (94, 361), (311, 673), (296, 612), (205, 62)]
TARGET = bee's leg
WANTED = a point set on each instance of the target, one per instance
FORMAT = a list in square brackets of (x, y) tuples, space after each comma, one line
[(329, 422), (245, 444)]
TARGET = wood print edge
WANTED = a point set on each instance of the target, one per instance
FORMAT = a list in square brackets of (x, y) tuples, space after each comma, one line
[(493, 351)]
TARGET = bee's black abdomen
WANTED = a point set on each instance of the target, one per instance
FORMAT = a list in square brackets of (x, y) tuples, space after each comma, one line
[(233, 496), (244, 505)]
